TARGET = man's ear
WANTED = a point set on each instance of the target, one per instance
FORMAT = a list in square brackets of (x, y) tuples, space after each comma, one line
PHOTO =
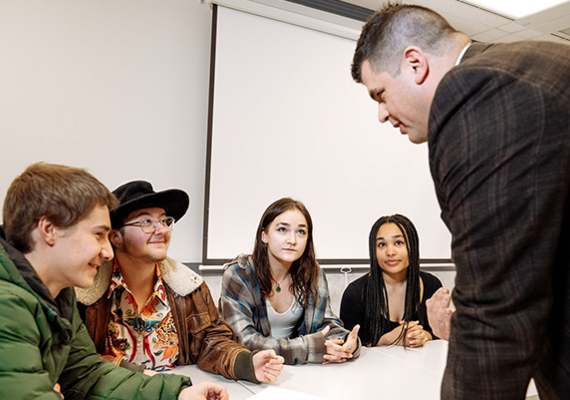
[(416, 62), (47, 231), (116, 237)]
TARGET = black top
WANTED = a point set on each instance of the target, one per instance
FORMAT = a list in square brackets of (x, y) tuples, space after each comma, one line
[(352, 308)]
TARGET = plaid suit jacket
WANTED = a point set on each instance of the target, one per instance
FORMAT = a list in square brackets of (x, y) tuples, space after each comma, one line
[(499, 142)]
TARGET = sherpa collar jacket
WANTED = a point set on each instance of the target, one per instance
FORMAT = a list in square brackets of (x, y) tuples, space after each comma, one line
[(203, 337)]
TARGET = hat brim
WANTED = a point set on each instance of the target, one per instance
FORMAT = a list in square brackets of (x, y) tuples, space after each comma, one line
[(174, 202)]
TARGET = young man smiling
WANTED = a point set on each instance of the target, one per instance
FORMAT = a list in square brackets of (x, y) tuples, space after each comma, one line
[(56, 221), (148, 312)]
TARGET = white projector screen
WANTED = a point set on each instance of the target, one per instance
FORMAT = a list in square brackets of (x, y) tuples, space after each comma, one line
[(288, 120)]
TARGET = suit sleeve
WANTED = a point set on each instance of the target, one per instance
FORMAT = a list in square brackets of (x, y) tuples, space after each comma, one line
[(495, 156)]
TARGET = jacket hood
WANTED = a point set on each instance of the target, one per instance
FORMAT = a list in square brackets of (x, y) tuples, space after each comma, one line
[(181, 279)]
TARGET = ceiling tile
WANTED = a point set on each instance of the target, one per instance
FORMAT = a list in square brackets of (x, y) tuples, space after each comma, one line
[(492, 35), (511, 27)]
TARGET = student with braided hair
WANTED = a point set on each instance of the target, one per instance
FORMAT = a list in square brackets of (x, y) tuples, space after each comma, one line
[(389, 301)]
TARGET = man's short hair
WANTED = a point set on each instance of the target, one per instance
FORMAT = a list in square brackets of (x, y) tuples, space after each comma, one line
[(393, 28), (65, 195)]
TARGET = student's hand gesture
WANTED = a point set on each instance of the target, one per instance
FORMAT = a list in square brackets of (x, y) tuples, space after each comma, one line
[(204, 391), (338, 351), (267, 365), (416, 336), (439, 313)]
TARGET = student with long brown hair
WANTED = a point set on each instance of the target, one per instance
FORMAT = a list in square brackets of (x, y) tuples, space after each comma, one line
[(278, 297)]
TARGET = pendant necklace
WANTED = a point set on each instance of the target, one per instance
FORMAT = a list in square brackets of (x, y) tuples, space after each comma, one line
[(278, 288)]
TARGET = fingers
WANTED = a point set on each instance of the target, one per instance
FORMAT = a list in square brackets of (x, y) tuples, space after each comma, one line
[(270, 353), (419, 340), (272, 369), (336, 353), (269, 377), (277, 360), (439, 313), (333, 359), (267, 365), (206, 390), (352, 340), (441, 298), (414, 327), (326, 330), (57, 388), (354, 332), (267, 354)]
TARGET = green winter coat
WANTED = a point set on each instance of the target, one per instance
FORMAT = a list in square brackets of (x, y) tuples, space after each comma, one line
[(44, 342)]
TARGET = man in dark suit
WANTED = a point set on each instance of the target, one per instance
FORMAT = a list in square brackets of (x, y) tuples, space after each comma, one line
[(497, 121)]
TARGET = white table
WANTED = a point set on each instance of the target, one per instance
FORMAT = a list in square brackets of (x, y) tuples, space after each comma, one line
[(236, 390), (372, 375), (393, 373), (433, 357)]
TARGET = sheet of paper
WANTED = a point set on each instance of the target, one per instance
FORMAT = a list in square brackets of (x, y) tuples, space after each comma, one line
[(275, 393)]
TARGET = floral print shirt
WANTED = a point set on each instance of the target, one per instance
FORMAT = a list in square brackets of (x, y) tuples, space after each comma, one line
[(142, 335)]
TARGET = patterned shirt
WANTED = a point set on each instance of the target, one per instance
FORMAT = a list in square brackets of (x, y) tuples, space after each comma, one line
[(146, 336)]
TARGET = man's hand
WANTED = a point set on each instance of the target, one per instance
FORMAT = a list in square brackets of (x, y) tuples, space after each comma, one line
[(204, 391), (439, 313), (267, 365)]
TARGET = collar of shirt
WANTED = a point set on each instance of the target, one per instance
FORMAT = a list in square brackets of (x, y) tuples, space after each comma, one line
[(118, 282), (461, 55)]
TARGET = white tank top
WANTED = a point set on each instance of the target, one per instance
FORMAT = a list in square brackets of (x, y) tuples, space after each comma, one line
[(282, 325)]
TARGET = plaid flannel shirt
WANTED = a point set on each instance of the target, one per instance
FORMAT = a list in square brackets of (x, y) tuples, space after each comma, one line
[(242, 308)]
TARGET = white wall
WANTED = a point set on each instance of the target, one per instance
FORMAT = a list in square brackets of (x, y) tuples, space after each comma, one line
[(117, 87)]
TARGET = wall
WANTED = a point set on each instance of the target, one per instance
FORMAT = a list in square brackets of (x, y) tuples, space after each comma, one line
[(117, 87)]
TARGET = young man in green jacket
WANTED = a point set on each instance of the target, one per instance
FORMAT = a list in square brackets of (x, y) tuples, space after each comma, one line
[(56, 221)]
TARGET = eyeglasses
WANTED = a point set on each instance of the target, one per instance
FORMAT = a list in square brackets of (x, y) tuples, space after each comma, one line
[(148, 225)]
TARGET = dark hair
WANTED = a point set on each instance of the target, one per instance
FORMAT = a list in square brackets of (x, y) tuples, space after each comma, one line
[(64, 195), (393, 28), (304, 271), (377, 310)]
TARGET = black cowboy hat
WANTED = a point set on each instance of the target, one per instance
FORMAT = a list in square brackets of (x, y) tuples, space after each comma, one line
[(136, 195)]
